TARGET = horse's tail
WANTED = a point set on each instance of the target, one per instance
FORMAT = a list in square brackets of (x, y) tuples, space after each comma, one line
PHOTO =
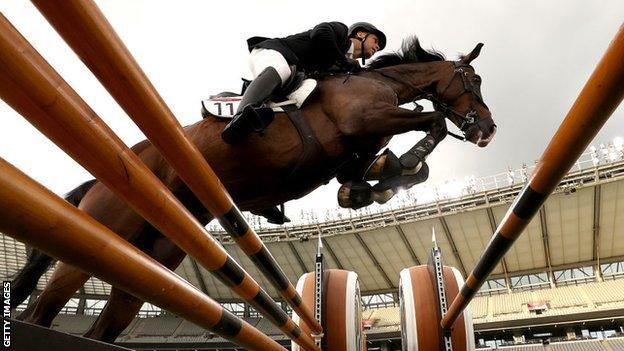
[(25, 281)]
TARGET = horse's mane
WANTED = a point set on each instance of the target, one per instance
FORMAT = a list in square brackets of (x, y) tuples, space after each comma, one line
[(411, 52)]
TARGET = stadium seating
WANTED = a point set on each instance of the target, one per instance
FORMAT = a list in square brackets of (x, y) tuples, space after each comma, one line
[(534, 347), (268, 328), (187, 328), (479, 307), (616, 344), (160, 326), (485, 308), (72, 324), (559, 301), (583, 345), (130, 327), (605, 293), (508, 303), (386, 317), (561, 297)]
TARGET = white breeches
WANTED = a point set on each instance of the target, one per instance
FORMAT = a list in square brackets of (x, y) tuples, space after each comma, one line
[(261, 58)]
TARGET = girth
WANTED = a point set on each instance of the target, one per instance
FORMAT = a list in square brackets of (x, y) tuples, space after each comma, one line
[(312, 151)]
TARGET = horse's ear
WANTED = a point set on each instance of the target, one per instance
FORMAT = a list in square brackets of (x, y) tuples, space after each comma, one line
[(472, 55)]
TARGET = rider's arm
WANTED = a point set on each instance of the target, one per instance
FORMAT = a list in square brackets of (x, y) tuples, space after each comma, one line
[(327, 35)]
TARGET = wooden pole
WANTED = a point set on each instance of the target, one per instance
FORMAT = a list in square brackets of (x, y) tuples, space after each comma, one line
[(32, 214), (601, 95), (84, 27), (34, 89)]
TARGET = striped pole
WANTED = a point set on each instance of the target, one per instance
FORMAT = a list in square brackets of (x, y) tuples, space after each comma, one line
[(34, 89), (601, 95), (84, 27), (32, 214)]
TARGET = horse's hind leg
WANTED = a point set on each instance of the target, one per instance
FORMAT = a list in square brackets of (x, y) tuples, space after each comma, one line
[(64, 282), (122, 307), (25, 282), (103, 206)]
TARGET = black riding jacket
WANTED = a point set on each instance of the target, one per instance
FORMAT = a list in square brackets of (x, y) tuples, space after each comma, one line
[(316, 49)]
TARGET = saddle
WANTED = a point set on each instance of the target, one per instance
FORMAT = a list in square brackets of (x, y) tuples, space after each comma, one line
[(290, 99), (294, 94)]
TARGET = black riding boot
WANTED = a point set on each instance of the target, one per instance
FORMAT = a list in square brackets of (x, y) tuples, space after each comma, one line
[(251, 116)]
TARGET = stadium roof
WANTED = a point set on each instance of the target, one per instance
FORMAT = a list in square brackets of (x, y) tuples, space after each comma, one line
[(578, 226)]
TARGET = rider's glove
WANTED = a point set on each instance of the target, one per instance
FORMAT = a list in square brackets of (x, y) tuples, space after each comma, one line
[(350, 65)]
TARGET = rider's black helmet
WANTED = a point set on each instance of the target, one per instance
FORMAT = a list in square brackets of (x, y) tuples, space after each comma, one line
[(369, 28)]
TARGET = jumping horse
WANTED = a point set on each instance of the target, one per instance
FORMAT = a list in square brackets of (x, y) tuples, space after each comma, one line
[(348, 120)]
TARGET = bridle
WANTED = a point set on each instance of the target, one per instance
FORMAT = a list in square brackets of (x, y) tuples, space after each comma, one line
[(471, 118)]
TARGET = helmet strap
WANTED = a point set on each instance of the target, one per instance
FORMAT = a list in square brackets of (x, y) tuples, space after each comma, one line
[(362, 56)]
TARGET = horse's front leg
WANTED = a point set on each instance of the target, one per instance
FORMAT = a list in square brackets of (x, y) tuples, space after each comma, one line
[(393, 172), (396, 120), (384, 120)]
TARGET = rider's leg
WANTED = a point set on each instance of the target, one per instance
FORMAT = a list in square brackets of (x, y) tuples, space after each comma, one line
[(271, 71)]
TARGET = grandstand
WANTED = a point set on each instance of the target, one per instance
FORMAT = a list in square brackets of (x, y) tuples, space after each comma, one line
[(560, 287)]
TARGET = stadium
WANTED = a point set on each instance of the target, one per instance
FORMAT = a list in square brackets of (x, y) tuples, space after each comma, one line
[(559, 288), (181, 242)]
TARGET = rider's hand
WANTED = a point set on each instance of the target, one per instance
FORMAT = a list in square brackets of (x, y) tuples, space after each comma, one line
[(350, 65)]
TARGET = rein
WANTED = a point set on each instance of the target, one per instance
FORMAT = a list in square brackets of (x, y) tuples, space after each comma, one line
[(469, 119)]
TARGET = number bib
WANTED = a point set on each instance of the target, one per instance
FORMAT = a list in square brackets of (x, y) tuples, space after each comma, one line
[(222, 106)]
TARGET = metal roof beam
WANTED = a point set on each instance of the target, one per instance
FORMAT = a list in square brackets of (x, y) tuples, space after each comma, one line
[(374, 259), (559, 267), (596, 230), (332, 253), (493, 226), (298, 257), (81, 302), (407, 244), (449, 238), (546, 243), (198, 276)]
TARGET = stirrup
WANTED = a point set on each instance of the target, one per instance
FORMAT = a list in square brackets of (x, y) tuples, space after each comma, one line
[(258, 118), (248, 120)]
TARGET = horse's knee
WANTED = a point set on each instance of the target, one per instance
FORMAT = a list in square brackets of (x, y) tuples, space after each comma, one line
[(121, 307), (438, 126), (65, 281), (119, 311), (26, 279)]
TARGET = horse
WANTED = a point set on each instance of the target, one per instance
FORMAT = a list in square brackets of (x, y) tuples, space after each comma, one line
[(351, 117)]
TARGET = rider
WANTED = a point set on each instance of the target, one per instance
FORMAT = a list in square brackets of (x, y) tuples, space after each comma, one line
[(327, 44)]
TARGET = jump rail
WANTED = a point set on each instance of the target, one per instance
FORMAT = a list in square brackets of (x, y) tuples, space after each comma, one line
[(601, 95), (34, 89), (101, 49), (34, 215)]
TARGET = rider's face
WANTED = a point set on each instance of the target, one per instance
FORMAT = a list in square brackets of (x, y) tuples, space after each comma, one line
[(371, 45)]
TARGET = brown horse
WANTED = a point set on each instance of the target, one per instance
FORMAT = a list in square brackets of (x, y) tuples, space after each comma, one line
[(351, 116)]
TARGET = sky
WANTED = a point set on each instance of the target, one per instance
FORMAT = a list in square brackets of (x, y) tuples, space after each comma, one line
[(537, 56)]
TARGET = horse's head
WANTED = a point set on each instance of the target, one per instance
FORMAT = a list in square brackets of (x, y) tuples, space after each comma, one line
[(460, 100)]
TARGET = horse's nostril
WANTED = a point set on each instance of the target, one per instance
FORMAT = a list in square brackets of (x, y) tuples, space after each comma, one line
[(493, 129)]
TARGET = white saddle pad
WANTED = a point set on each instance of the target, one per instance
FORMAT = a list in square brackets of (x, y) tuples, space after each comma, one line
[(226, 106)]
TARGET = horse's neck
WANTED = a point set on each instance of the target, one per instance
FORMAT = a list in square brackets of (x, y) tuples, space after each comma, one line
[(411, 80)]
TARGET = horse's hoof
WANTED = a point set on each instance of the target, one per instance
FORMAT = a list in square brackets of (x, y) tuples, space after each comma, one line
[(355, 195), (381, 197), (414, 170), (403, 181), (410, 161), (385, 165)]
